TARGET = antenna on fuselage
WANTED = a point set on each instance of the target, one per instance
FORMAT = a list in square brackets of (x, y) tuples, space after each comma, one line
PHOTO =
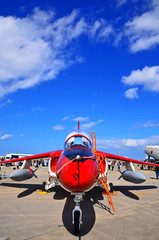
[(78, 124)]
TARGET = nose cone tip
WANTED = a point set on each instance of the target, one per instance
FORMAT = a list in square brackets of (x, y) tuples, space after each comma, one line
[(146, 150), (12, 175), (141, 177)]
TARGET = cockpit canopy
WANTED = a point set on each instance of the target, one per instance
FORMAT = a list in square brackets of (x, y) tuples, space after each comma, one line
[(78, 139)]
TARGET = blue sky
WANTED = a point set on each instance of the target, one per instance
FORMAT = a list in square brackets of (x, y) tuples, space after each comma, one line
[(96, 61)]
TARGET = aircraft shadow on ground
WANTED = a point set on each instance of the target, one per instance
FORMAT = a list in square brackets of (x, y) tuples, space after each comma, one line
[(126, 190), (90, 199), (30, 188), (88, 214)]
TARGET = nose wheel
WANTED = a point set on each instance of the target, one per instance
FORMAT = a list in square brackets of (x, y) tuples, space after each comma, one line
[(77, 213), (77, 219)]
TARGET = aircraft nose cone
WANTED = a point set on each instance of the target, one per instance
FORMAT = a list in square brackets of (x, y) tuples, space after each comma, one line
[(148, 150)]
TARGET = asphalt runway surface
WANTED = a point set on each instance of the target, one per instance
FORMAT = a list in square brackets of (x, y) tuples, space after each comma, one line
[(27, 215)]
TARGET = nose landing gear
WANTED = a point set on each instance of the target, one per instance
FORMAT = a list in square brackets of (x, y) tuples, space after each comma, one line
[(77, 212)]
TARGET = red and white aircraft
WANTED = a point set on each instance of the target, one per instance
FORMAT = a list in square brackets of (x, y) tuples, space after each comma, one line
[(78, 168)]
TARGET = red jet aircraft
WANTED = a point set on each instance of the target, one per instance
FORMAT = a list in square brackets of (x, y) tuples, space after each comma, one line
[(78, 168)]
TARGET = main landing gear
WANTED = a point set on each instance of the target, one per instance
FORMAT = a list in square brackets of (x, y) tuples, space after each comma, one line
[(77, 212), (51, 182), (111, 187)]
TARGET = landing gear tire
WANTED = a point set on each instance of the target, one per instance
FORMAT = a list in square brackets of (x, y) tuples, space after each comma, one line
[(76, 222), (43, 186), (111, 187)]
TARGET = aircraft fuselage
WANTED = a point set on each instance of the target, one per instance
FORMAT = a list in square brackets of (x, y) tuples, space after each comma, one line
[(152, 151)]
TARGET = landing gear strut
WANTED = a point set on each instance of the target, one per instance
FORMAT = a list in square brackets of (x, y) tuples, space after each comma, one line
[(111, 187), (51, 182), (77, 213)]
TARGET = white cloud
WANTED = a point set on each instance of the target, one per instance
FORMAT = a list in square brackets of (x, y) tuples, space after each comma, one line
[(81, 119), (101, 30), (131, 93), (104, 33), (6, 137), (149, 124), (38, 109), (5, 103), (143, 31), (58, 127), (148, 77), (121, 2), (36, 48), (90, 125), (107, 144), (145, 125), (65, 118)]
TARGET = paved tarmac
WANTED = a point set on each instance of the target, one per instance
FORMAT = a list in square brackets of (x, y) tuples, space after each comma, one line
[(27, 215)]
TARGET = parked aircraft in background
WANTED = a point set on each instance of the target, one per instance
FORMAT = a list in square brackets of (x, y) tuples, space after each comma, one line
[(78, 168), (152, 151)]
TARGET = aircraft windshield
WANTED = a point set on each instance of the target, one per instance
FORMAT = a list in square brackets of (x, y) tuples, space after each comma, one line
[(78, 141)]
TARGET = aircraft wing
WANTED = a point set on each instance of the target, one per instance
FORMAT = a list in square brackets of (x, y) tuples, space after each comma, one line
[(119, 158), (26, 172), (130, 174), (108, 155), (42, 155)]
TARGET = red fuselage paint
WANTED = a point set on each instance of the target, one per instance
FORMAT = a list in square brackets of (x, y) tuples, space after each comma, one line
[(77, 175)]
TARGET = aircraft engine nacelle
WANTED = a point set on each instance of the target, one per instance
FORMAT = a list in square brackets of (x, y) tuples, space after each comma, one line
[(22, 174), (133, 176), (54, 157)]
